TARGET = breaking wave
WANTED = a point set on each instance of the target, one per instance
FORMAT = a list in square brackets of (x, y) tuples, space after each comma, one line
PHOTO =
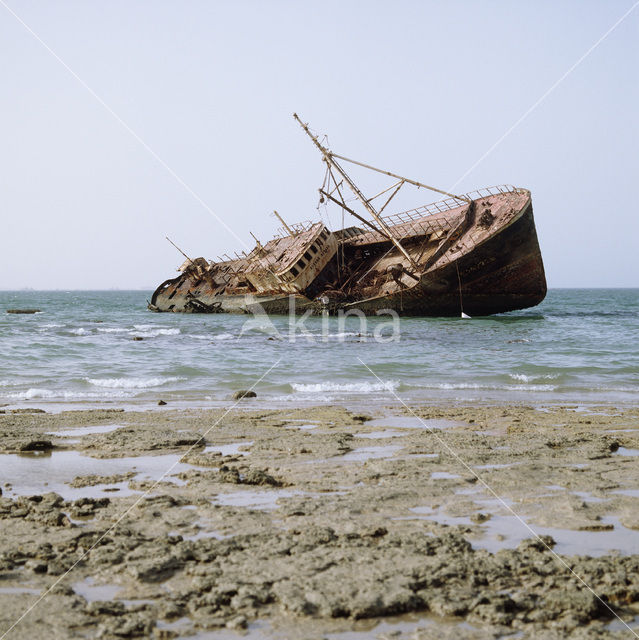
[(460, 386), (153, 333), (351, 387), (48, 394), (132, 383), (522, 377)]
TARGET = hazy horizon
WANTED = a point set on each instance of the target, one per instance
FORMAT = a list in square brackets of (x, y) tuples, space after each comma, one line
[(423, 89)]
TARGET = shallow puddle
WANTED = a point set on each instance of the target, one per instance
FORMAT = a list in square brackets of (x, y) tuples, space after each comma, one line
[(621, 625), (622, 451), (422, 455), (93, 592), (19, 591), (177, 625), (368, 453), (378, 435), (590, 543), (85, 431), (497, 466), (502, 531), (443, 475), (303, 427), (133, 603), (634, 493), (513, 529), (31, 474), (261, 500), (233, 449), (395, 626)]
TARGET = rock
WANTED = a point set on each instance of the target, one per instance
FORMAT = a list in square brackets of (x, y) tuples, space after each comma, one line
[(23, 310), (230, 476), (541, 543), (37, 445), (597, 526), (479, 517), (239, 622), (161, 403), (36, 566), (259, 477), (243, 393), (137, 338)]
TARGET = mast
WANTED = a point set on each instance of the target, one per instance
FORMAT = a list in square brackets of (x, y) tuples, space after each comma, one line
[(330, 160), (394, 175), (180, 250), (288, 229)]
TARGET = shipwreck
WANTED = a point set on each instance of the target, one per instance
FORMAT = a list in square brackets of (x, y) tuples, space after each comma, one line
[(468, 254)]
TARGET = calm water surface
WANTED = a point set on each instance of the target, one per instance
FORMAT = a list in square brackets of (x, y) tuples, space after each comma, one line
[(578, 346)]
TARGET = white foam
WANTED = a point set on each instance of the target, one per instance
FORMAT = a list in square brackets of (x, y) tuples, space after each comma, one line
[(223, 336), (132, 383), (48, 394), (112, 330), (522, 377), (351, 387), (78, 332), (33, 393), (489, 387), (530, 387), (153, 333)]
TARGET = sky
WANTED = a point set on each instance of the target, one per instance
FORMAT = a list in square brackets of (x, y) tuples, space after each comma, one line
[(123, 122)]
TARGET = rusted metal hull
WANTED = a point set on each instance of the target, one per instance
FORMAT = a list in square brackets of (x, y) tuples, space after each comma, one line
[(503, 273)]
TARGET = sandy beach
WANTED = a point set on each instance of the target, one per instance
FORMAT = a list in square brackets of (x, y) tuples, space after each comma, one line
[(320, 523)]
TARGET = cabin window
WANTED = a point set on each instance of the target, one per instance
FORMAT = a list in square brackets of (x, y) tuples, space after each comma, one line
[(313, 249), (294, 271), (307, 256), (301, 263), (319, 242)]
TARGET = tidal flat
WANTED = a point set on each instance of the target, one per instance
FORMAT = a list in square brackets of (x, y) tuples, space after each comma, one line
[(477, 522)]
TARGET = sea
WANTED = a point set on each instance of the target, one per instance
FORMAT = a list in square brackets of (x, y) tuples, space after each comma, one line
[(83, 349)]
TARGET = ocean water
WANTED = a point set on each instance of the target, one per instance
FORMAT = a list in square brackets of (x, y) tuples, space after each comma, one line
[(578, 346)]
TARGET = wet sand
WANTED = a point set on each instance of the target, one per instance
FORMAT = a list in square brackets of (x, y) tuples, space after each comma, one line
[(321, 523)]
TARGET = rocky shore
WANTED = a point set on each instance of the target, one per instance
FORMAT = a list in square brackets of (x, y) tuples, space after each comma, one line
[(320, 523)]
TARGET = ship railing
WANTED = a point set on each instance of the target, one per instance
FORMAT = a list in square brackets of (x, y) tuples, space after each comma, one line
[(297, 227), (412, 215)]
